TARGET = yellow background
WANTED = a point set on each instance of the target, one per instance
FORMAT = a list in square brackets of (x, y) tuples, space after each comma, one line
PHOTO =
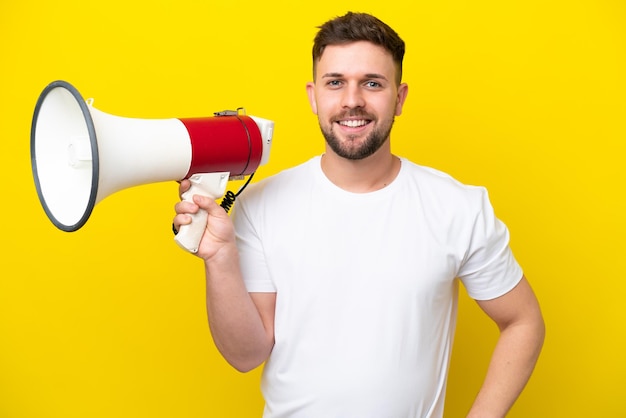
[(524, 97)]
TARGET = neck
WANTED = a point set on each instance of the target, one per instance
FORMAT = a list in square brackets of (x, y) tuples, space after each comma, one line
[(361, 176)]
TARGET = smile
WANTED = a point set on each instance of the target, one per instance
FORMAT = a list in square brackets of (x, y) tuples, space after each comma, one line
[(353, 123)]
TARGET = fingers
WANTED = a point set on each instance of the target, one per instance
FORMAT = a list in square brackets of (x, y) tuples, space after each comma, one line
[(180, 220), (184, 185), (187, 207), (183, 208)]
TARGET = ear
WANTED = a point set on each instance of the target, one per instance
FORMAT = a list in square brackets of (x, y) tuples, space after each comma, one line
[(403, 91), (310, 91)]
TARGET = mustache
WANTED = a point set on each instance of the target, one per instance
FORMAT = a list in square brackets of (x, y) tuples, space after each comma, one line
[(353, 113)]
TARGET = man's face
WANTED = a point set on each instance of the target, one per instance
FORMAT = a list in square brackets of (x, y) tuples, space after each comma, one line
[(356, 97)]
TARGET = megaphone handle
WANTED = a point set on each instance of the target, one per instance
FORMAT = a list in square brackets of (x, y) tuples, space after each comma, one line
[(211, 185)]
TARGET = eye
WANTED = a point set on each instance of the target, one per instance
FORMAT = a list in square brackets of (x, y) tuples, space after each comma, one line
[(334, 83), (373, 84)]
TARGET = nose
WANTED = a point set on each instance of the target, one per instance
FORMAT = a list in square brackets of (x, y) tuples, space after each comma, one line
[(352, 97)]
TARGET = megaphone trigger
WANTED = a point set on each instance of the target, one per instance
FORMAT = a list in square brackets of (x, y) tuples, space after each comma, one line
[(211, 185)]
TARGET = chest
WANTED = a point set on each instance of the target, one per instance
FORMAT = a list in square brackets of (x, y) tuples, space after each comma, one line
[(383, 245)]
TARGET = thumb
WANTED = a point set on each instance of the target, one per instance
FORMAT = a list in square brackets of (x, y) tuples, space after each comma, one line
[(210, 205)]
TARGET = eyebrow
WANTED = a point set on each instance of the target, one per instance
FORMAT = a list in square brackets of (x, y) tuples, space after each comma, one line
[(369, 75)]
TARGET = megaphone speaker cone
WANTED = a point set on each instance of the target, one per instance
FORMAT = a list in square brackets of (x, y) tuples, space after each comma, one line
[(64, 156)]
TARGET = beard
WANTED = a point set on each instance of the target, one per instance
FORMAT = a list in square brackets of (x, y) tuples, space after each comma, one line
[(349, 148)]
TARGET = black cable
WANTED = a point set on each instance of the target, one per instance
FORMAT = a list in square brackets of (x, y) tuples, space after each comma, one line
[(229, 198)]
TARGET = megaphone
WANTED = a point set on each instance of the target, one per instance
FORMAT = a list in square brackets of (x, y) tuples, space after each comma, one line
[(80, 155)]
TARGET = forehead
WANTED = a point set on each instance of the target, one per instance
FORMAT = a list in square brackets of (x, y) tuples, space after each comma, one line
[(356, 58)]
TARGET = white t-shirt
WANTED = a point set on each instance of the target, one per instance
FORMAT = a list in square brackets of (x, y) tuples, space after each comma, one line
[(366, 287)]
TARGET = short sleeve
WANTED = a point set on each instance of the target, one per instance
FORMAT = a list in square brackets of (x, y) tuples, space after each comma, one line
[(489, 269)]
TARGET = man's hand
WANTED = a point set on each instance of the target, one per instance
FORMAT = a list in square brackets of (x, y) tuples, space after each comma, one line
[(219, 231)]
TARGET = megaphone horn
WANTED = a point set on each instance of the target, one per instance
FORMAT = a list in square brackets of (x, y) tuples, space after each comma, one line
[(80, 155)]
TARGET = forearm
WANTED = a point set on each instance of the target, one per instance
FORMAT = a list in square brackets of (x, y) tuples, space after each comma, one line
[(236, 325), (511, 365)]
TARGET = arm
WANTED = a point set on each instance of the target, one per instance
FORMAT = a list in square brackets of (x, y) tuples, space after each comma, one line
[(522, 331), (241, 323)]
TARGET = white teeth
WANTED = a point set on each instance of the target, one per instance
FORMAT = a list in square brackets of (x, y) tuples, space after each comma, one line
[(353, 123)]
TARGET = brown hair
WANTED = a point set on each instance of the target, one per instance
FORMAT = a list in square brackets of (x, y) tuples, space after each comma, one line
[(353, 27)]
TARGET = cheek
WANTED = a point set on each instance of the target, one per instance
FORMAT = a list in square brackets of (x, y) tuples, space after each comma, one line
[(390, 106), (321, 103)]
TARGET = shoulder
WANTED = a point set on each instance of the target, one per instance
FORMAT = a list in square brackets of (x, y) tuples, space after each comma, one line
[(287, 177), (280, 185), (441, 188)]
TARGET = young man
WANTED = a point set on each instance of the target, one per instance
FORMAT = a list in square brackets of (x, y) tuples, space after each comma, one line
[(341, 273)]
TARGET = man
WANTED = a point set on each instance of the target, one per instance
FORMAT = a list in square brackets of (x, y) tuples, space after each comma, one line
[(341, 273)]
